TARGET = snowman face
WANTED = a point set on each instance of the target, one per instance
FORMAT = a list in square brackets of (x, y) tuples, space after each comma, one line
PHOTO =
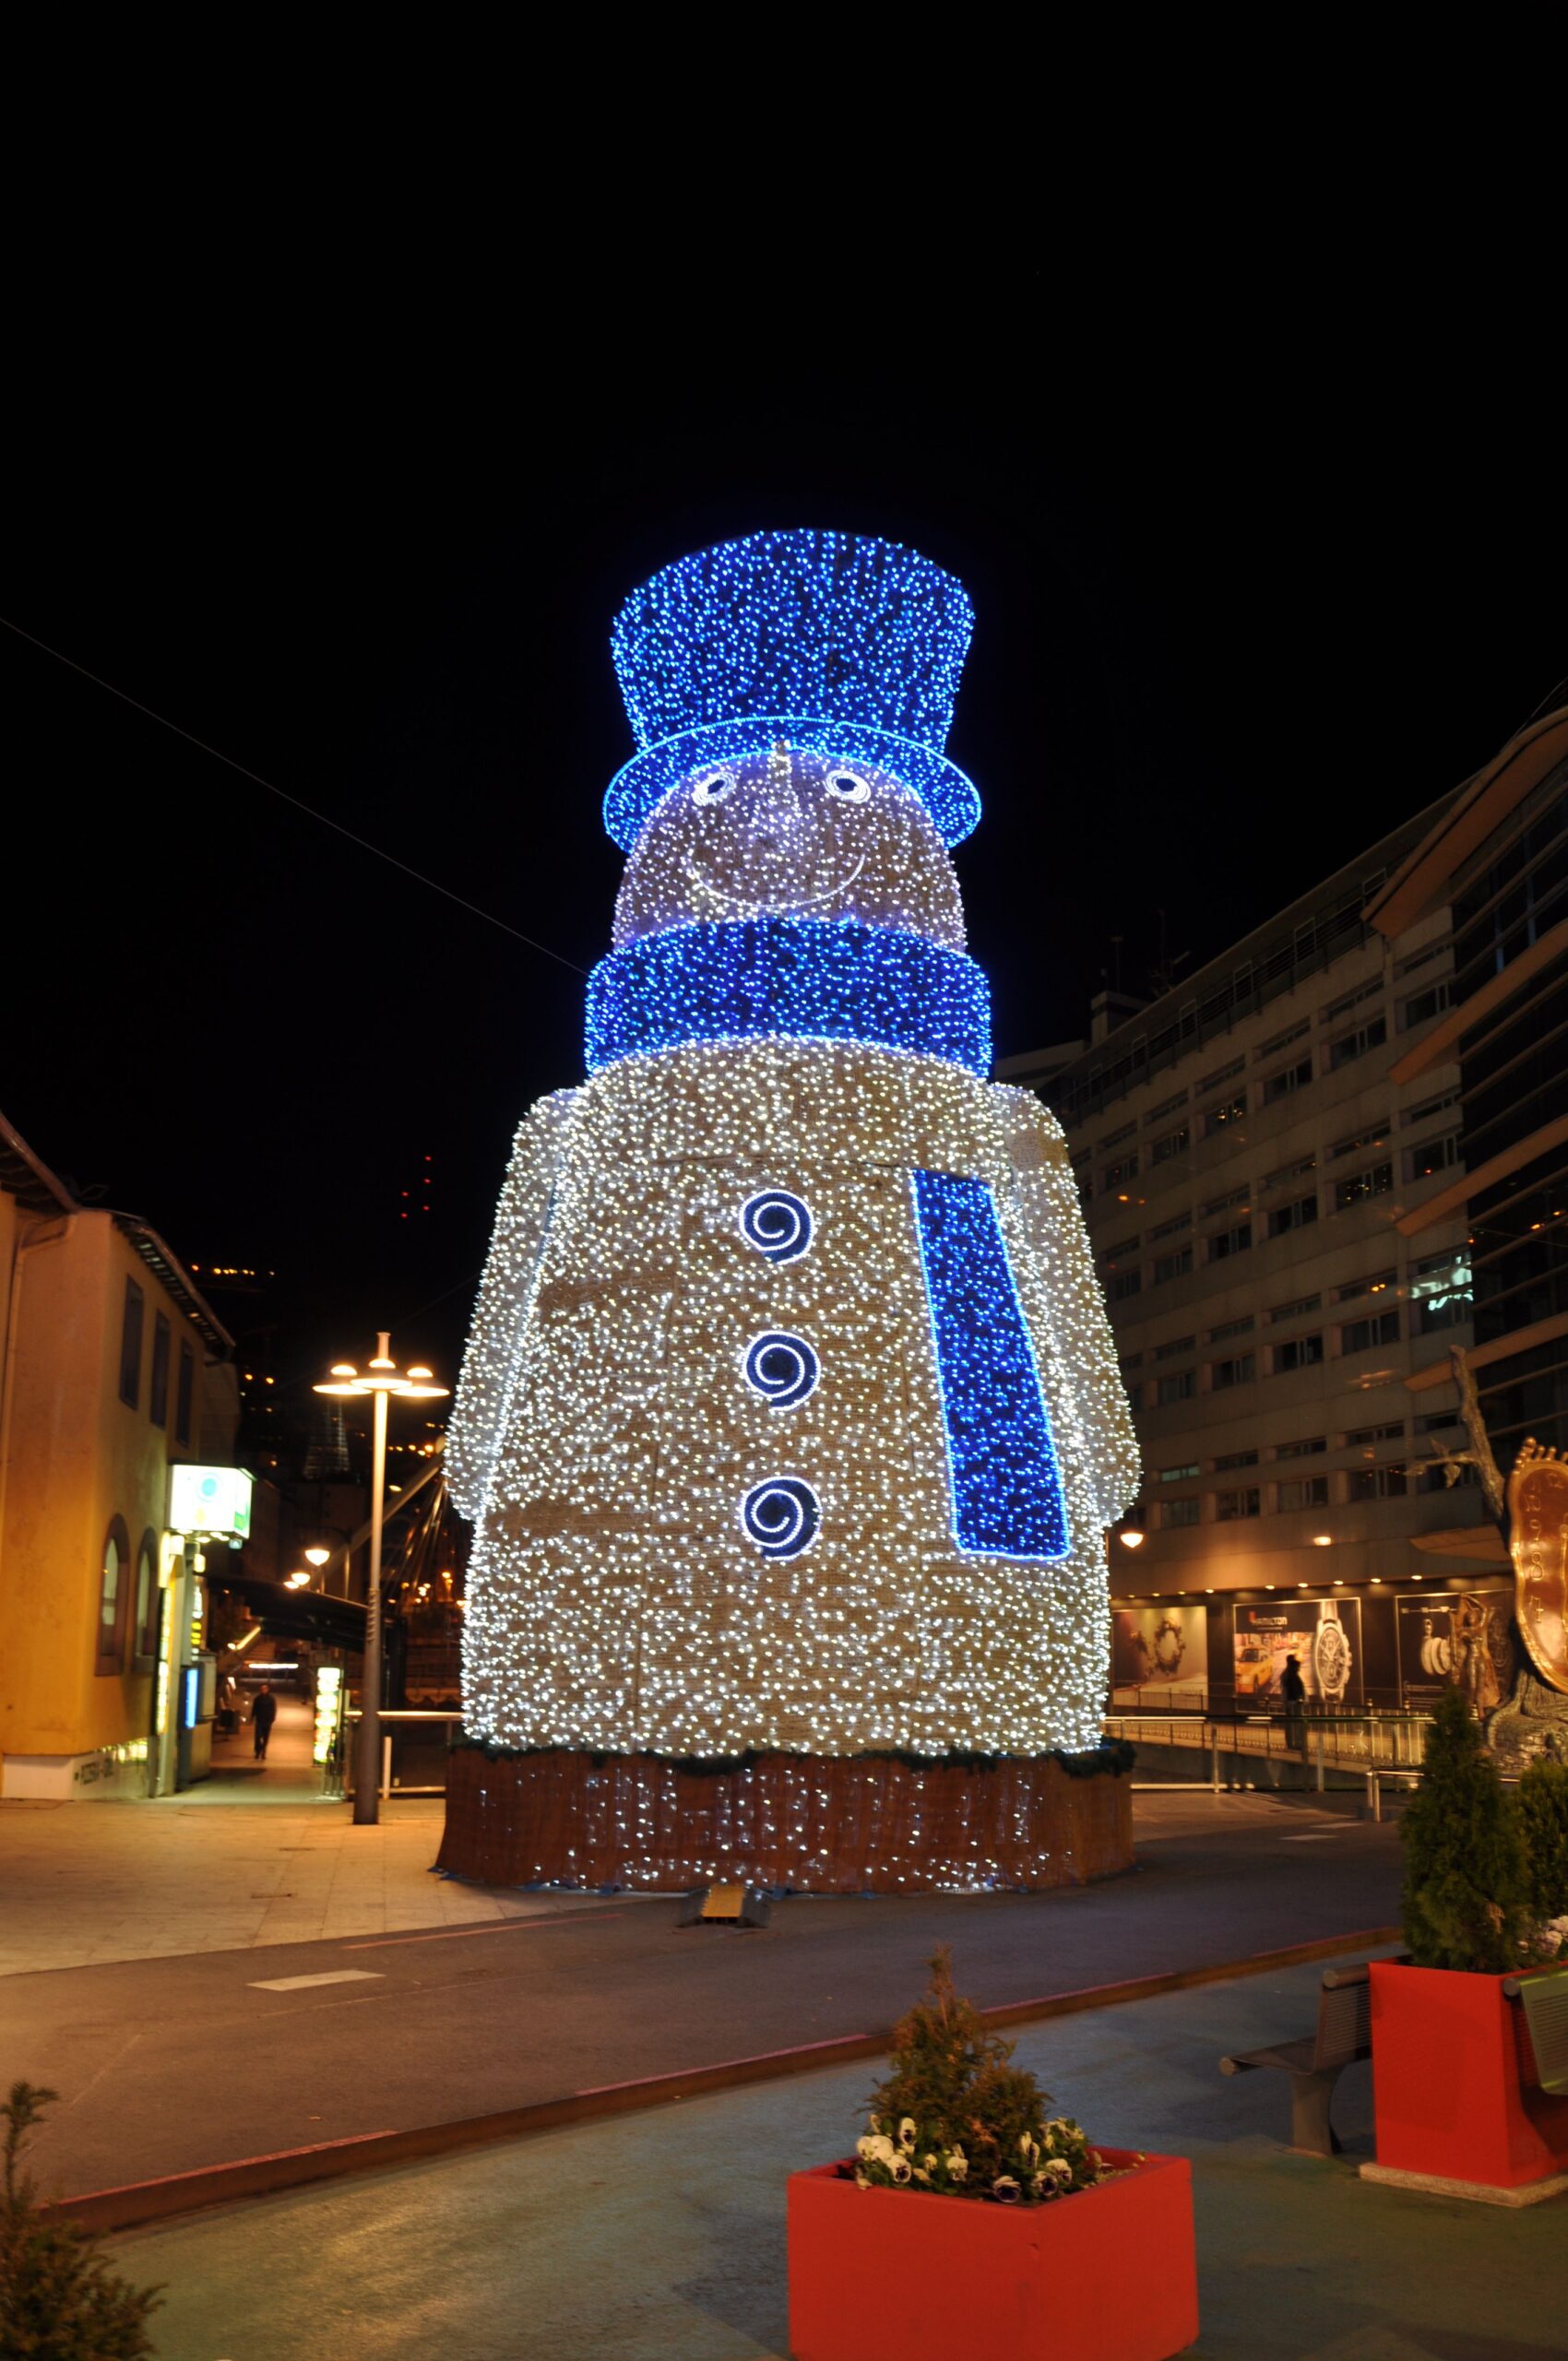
[(791, 834)]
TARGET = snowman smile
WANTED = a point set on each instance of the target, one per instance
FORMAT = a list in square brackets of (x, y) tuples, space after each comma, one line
[(743, 902)]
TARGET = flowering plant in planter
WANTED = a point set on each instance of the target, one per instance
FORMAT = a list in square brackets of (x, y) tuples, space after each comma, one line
[(956, 2118)]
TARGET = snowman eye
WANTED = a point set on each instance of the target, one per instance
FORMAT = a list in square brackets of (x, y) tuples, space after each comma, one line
[(713, 788), (848, 787)]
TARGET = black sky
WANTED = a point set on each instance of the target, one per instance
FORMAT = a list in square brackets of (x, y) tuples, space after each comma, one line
[(1249, 590)]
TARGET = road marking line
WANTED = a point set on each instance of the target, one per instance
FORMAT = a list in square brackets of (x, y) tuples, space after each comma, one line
[(490, 1927), (333, 1976), (1318, 1836)]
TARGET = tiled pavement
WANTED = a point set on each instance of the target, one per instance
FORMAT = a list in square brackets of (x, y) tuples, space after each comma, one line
[(243, 1860)]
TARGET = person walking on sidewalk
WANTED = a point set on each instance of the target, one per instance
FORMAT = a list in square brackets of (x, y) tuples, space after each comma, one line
[(264, 1713), (1293, 1692)]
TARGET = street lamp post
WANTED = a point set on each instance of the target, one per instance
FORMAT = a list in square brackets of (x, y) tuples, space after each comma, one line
[(382, 1379)]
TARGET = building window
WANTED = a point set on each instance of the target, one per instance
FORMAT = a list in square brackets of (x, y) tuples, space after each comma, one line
[(1221, 1074), (1174, 1143), (1222, 1375), (1432, 1002), (1295, 1216), (1374, 1136), (114, 1598), (1281, 1041), (1308, 1447), (1224, 1243), (1228, 1328), (1378, 1328), (1297, 1352), (1297, 1310), (130, 1345), (1350, 1045), (1437, 1478), (1166, 1106), (1430, 1107), (1174, 1345), (1279, 1085), (157, 1396), (1230, 1507), (1116, 1176), (1169, 1228), (1288, 1172), (1173, 1266), (1378, 1284), (1303, 1492), (1180, 1386), (1433, 1155), (184, 1389), (1339, 1008), (1377, 1484), (1224, 1205), (149, 1598), (1175, 1513), (1441, 1290), (1178, 1475), (1229, 1459), (1362, 1438), (1374, 1183), (1230, 1110), (1125, 1284)]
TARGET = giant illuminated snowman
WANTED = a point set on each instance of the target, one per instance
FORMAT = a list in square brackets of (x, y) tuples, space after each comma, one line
[(790, 1423)]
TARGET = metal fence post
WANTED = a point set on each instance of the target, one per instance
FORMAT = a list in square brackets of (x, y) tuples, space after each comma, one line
[(1319, 1758), (1216, 1727)]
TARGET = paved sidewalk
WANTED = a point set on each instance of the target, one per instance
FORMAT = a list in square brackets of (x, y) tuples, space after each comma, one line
[(661, 2238), (166, 2064), (85, 1883)]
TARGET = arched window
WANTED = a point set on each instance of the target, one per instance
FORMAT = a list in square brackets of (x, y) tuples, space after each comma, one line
[(114, 1598), (149, 1599)]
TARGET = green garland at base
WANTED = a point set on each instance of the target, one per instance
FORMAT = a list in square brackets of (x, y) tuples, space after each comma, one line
[(1114, 1758)]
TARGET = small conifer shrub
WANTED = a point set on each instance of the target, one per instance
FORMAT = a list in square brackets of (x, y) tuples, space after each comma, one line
[(59, 2300), (1543, 1814), (958, 2118), (1467, 1882)]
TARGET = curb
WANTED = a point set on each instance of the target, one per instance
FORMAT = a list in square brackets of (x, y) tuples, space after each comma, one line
[(139, 2202)]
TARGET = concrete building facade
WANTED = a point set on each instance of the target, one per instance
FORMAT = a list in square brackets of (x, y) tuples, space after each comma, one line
[(1248, 1156), (112, 1369), (1498, 856)]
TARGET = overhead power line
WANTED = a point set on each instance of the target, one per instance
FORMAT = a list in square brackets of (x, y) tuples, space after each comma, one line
[(299, 803)]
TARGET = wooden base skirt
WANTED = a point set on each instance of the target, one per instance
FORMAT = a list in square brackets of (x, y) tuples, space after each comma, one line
[(815, 1823)]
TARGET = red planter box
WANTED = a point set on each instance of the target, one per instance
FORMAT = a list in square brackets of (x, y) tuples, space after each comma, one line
[(892, 2275), (1450, 2061)]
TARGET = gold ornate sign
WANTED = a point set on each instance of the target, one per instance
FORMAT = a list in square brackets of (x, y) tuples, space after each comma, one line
[(1538, 1516)]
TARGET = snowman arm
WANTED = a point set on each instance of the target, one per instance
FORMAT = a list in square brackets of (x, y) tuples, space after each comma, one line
[(1078, 1342), (484, 1386)]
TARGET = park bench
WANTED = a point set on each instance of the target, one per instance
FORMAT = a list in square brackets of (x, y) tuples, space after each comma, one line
[(1315, 2063), (1541, 2028)]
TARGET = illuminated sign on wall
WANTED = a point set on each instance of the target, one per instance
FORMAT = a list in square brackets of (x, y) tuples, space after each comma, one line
[(211, 1500)]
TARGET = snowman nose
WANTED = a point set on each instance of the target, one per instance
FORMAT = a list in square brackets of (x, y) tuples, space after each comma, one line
[(776, 807)]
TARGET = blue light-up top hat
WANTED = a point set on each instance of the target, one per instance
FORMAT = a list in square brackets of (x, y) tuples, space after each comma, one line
[(826, 640)]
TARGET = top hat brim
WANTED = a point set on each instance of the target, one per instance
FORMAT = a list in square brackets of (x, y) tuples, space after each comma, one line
[(948, 794)]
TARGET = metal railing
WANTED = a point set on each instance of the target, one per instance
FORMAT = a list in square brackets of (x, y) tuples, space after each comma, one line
[(402, 1752), (1377, 1745)]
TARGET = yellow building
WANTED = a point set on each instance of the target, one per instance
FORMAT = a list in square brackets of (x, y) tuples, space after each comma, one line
[(111, 1369)]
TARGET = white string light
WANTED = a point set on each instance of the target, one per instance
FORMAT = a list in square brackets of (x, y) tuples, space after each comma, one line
[(749, 1469)]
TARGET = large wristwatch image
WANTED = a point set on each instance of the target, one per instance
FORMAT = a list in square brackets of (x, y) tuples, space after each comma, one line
[(1331, 1653)]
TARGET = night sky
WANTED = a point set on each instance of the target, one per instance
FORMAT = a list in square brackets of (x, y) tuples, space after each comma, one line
[(1240, 611)]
